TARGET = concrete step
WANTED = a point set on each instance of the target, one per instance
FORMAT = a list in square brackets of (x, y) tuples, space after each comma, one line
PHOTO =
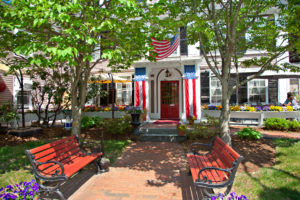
[(162, 138), (160, 135)]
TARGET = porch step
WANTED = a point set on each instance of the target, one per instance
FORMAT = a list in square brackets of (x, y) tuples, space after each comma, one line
[(160, 135)]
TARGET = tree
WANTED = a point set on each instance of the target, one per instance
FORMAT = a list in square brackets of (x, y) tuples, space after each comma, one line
[(70, 31), (227, 29)]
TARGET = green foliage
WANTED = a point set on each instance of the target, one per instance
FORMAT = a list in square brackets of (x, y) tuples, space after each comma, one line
[(294, 125), (282, 124), (249, 133), (182, 127), (118, 125), (94, 88), (280, 181), (88, 122), (207, 129), (8, 112)]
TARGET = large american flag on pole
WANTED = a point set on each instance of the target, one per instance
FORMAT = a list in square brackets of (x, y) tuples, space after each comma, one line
[(164, 48)]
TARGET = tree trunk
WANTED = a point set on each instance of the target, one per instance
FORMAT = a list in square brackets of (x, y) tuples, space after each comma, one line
[(76, 123), (225, 115)]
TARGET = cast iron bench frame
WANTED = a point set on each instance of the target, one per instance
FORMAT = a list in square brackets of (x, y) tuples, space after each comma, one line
[(60, 153), (215, 169)]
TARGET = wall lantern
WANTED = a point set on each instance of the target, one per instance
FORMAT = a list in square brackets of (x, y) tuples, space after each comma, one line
[(168, 74)]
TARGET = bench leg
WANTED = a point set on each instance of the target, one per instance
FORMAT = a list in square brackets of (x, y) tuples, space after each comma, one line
[(50, 189), (208, 194)]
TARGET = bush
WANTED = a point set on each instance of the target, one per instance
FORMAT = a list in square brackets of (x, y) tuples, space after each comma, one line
[(294, 125), (249, 133), (88, 122), (118, 125), (276, 124), (204, 129), (23, 190)]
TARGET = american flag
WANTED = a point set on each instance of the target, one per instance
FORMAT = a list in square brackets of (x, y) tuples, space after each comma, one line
[(164, 48)]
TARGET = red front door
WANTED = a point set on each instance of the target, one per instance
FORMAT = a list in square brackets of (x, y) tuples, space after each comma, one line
[(169, 99)]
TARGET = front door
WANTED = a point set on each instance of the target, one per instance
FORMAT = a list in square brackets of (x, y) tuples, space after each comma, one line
[(169, 99)]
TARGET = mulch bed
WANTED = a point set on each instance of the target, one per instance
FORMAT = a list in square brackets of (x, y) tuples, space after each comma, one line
[(257, 154), (50, 134)]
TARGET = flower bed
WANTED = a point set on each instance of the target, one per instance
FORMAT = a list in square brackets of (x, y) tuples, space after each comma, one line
[(253, 108)]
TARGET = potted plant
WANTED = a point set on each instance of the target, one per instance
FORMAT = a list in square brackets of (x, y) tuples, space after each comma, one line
[(191, 119), (181, 129), (135, 113)]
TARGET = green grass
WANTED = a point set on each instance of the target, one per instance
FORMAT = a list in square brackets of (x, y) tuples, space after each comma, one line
[(15, 166), (279, 182)]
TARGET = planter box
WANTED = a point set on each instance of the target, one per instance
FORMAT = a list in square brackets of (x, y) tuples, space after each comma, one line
[(283, 114), (211, 113)]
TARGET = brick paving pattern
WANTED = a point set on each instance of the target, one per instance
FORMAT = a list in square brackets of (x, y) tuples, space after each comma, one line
[(145, 170)]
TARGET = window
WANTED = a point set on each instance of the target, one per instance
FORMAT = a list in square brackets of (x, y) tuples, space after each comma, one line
[(295, 86), (183, 42), (27, 99), (96, 53), (215, 91), (124, 92), (257, 91)]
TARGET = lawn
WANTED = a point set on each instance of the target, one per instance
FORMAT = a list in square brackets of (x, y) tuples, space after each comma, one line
[(15, 166), (279, 182)]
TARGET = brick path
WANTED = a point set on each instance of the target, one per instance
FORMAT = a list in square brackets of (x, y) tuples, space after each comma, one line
[(145, 170)]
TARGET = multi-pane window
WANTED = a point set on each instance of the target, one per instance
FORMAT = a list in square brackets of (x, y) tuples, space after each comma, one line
[(215, 91), (27, 99), (295, 86), (124, 92), (257, 91)]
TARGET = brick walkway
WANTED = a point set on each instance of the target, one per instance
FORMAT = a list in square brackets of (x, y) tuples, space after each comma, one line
[(146, 170)]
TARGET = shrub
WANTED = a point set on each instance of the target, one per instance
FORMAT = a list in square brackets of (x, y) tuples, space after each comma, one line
[(294, 125), (204, 129), (249, 133), (23, 190), (276, 124), (88, 122), (118, 125)]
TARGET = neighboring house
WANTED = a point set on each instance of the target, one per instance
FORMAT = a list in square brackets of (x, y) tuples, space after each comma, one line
[(12, 91)]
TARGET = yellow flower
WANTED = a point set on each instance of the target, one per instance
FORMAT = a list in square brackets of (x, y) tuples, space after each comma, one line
[(289, 108), (107, 109), (235, 108)]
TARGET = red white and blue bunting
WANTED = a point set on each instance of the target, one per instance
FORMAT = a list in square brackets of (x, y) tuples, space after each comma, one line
[(190, 91), (140, 87)]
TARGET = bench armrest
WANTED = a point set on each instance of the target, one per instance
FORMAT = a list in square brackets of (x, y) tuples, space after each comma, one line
[(58, 174), (193, 145), (205, 180)]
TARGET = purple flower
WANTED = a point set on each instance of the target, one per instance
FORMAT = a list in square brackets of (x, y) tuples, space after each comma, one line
[(258, 108), (266, 108), (212, 107)]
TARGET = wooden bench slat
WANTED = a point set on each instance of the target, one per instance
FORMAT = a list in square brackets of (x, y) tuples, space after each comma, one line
[(203, 162), (193, 166), (61, 157), (51, 145), (222, 176), (226, 158), (53, 153), (233, 153)]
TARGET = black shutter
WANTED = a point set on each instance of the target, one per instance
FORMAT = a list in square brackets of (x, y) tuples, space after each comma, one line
[(183, 44), (204, 77)]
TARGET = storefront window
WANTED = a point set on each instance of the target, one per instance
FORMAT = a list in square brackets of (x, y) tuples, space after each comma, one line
[(215, 91)]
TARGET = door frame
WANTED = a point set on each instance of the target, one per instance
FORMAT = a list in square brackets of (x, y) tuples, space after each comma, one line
[(178, 97)]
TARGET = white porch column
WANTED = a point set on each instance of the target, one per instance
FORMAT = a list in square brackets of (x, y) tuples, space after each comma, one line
[(183, 114), (198, 91), (147, 93)]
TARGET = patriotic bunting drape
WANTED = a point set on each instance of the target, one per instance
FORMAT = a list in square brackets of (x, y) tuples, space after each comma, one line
[(164, 48), (190, 91), (140, 87)]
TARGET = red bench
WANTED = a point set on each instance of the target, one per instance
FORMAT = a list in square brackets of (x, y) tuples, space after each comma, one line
[(215, 169), (59, 160)]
